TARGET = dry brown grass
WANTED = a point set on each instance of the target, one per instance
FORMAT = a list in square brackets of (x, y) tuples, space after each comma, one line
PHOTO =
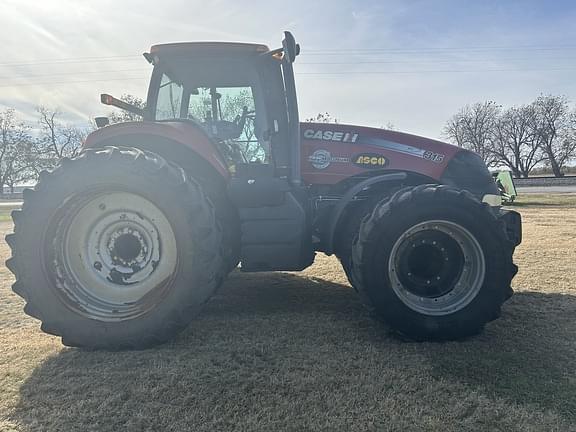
[(5, 214), (298, 352)]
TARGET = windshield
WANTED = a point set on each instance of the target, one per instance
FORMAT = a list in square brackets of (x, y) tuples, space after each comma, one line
[(204, 103), (226, 113), (219, 103)]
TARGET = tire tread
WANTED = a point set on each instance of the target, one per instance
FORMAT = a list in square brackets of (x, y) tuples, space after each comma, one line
[(201, 221)]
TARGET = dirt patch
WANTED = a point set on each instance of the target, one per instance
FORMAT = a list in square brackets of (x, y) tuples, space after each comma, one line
[(282, 351)]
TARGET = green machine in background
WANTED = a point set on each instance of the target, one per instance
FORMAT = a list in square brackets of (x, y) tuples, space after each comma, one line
[(506, 186)]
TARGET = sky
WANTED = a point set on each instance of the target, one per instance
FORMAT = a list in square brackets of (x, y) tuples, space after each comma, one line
[(412, 64)]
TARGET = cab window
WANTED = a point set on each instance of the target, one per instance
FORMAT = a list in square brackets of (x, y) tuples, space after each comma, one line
[(217, 107), (169, 101)]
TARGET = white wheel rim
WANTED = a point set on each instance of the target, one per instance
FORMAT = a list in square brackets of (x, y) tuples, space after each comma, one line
[(117, 250), (465, 287)]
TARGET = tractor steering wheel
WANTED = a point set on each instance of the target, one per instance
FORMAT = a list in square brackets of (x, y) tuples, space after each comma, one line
[(240, 120), (229, 130)]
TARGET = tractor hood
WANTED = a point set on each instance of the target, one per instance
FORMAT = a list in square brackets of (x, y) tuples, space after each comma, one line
[(334, 152)]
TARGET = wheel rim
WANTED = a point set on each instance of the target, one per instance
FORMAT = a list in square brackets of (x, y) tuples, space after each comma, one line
[(118, 253), (436, 267)]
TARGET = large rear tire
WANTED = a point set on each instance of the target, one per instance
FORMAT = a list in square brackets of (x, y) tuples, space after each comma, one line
[(433, 262), (115, 249)]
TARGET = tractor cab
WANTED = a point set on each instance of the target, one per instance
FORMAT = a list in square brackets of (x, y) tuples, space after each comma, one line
[(239, 94), (242, 97)]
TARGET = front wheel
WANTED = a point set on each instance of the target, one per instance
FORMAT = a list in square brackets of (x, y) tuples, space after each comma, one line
[(434, 263), (115, 249)]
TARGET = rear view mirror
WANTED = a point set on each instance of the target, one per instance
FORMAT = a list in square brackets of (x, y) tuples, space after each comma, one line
[(101, 122), (291, 48)]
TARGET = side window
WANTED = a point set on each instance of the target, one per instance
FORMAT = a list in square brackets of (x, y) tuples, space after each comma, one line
[(250, 145), (200, 105), (169, 99), (250, 142)]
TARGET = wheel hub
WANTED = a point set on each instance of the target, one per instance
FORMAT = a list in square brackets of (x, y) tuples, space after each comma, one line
[(124, 246), (120, 251), (430, 263), (128, 247)]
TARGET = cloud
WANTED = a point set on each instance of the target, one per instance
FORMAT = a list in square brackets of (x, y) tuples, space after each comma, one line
[(415, 44)]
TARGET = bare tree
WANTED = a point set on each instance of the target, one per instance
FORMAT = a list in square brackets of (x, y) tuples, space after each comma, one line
[(556, 131), (322, 118), (474, 128), (516, 144), (17, 151), (121, 116), (56, 139)]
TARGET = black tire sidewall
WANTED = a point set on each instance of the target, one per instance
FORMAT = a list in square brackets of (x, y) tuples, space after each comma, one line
[(376, 282), (193, 224)]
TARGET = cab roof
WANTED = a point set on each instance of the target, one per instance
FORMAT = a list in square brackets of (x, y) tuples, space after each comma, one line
[(208, 48)]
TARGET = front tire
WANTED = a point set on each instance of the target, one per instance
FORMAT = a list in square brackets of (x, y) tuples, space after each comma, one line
[(115, 249), (433, 262)]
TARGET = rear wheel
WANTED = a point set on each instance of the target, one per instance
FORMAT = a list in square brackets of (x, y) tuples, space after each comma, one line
[(433, 262), (115, 249)]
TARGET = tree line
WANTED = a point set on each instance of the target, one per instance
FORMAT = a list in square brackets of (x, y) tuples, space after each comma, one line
[(520, 138), (26, 150)]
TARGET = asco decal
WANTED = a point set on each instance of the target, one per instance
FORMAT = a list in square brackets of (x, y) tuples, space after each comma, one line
[(321, 159), (328, 135), (370, 160)]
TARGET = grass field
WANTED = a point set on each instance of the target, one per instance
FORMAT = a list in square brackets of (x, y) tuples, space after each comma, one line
[(5, 213), (284, 351)]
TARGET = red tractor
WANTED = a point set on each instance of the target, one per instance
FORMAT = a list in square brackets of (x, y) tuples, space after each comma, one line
[(121, 246)]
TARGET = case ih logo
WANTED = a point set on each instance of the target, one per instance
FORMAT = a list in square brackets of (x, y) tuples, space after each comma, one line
[(328, 135), (321, 159)]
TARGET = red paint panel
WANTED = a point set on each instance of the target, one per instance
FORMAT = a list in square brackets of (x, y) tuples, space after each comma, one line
[(329, 152), (181, 132)]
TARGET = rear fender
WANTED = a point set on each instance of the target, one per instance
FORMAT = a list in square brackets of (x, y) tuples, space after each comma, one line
[(171, 140)]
